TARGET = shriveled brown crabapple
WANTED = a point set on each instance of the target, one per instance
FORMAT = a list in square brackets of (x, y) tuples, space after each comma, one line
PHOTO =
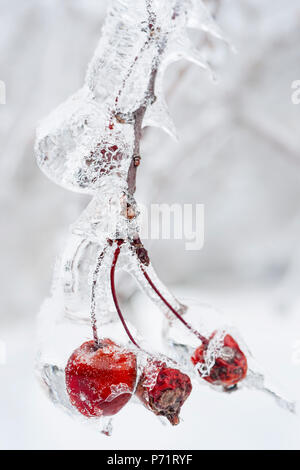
[(163, 390), (229, 368), (100, 378)]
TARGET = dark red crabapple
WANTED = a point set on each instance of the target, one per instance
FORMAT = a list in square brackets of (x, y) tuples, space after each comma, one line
[(230, 368), (100, 379), (163, 390)]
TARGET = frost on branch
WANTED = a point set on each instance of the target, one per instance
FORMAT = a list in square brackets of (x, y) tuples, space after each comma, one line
[(91, 135)]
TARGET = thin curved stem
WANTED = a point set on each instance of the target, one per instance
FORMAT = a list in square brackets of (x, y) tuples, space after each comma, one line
[(93, 297), (113, 291), (185, 323)]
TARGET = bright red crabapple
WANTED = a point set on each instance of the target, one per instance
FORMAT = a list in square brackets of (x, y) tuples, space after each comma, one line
[(100, 379), (229, 368), (163, 390)]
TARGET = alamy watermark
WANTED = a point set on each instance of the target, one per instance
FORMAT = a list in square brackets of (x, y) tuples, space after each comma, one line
[(295, 97), (158, 222), (2, 92), (175, 221)]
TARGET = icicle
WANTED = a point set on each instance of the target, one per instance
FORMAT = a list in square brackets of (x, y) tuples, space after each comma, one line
[(183, 48), (198, 17), (158, 115), (106, 426)]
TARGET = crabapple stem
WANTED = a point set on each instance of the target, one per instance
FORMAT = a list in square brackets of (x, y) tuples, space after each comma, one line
[(93, 298), (201, 337), (113, 291)]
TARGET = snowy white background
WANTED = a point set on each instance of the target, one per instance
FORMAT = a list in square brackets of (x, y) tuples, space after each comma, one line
[(239, 154)]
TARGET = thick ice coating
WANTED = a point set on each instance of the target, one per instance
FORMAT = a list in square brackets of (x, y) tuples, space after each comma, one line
[(90, 136)]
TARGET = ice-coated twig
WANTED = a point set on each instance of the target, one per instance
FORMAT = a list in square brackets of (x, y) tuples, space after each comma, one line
[(257, 381), (149, 99), (139, 113)]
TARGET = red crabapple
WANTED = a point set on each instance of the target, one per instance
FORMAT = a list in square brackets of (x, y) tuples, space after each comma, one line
[(229, 368), (163, 390), (100, 379)]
